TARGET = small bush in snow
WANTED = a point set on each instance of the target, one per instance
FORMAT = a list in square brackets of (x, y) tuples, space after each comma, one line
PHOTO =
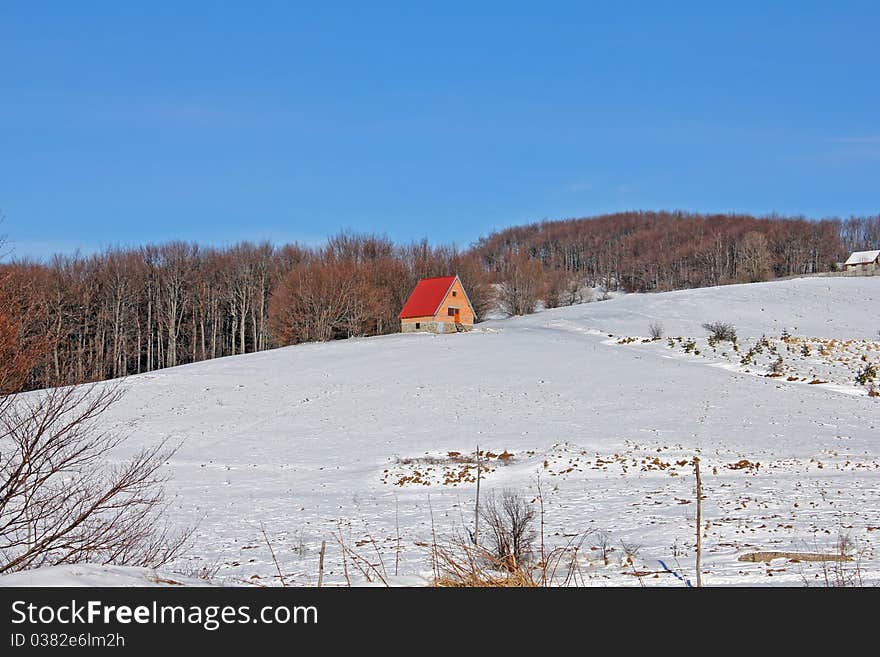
[(511, 521), (721, 331), (656, 330), (778, 366), (866, 375), (603, 541)]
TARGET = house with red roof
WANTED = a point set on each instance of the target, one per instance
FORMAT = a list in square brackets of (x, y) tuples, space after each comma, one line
[(437, 305)]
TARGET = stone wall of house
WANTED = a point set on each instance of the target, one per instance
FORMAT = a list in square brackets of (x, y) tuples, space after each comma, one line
[(868, 269), (432, 325), (426, 325)]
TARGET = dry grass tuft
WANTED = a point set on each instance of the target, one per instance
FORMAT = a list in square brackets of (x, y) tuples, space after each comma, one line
[(517, 579)]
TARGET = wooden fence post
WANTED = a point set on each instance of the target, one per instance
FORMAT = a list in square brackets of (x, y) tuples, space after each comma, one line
[(477, 505), (699, 521)]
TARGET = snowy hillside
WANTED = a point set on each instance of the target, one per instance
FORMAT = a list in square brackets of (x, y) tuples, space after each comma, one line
[(97, 575), (354, 437)]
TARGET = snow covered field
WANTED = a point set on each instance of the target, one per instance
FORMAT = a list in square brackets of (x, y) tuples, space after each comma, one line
[(354, 437), (98, 575)]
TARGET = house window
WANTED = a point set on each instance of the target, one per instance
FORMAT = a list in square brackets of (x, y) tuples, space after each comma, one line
[(418, 325), (454, 293), (452, 312)]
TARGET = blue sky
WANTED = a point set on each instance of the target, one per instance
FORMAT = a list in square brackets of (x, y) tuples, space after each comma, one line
[(219, 122)]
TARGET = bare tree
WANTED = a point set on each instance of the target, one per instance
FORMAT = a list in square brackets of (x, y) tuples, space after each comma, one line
[(21, 347), (521, 286), (510, 520), (320, 302), (554, 289), (175, 272), (576, 290), (753, 258), (63, 501)]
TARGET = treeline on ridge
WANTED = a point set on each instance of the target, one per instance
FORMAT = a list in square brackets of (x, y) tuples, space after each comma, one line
[(132, 310)]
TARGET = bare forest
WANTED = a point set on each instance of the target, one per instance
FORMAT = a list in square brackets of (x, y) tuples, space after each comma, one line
[(125, 311)]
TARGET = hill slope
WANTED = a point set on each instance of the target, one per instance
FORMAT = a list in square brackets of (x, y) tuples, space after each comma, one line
[(319, 439)]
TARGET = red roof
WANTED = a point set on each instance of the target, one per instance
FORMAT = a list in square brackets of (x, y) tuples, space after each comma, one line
[(427, 297)]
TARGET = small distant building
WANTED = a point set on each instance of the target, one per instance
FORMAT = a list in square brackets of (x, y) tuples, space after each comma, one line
[(437, 305), (865, 261)]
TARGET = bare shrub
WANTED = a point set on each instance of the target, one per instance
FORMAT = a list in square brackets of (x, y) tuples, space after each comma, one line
[(603, 544), (554, 289), (721, 331), (204, 571), (777, 367), (460, 563), (840, 569), (867, 374), (510, 519), (61, 501), (847, 571), (656, 330), (631, 550)]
